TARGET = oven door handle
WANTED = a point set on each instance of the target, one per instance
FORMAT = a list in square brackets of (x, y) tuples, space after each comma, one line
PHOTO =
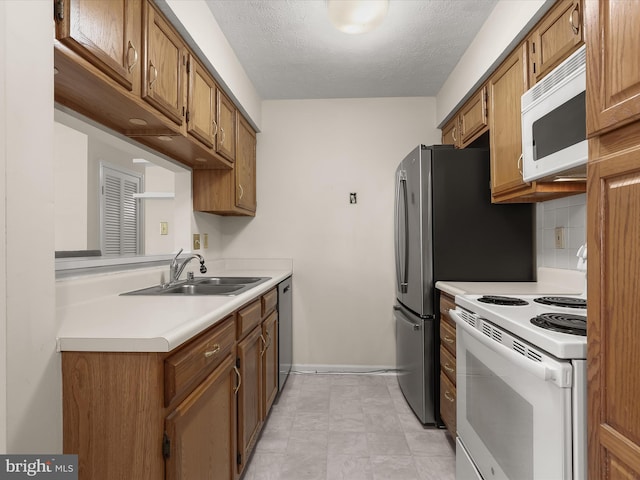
[(559, 374)]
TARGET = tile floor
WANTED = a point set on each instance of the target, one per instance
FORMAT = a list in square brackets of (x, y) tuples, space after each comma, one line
[(348, 427)]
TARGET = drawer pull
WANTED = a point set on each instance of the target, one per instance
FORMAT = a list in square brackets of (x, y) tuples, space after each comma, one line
[(448, 396), (448, 368), (235, 390), (211, 353), (448, 339)]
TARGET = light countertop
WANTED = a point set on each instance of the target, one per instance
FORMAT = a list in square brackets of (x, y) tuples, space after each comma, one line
[(550, 281), (108, 322)]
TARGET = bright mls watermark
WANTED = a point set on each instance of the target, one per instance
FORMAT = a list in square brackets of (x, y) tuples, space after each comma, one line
[(50, 467)]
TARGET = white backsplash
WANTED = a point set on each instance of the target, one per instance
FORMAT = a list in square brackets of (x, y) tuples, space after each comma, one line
[(569, 213)]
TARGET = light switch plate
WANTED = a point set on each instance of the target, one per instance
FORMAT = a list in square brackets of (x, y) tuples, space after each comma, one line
[(196, 241), (205, 240), (164, 228)]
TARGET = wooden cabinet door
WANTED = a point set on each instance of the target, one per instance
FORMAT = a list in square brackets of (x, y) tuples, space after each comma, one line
[(451, 132), (226, 139), (164, 62), (555, 38), (613, 347), (107, 34), (270, 362), (245, 167), (613, 66), (250, 393), (202, 429), (201, 103), (506, 86), (473, 117)]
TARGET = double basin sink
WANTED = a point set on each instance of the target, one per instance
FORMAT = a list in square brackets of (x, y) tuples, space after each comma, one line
[(204, 286)]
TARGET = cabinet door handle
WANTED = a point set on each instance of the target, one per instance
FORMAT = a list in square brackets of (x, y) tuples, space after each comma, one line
[(448, 396), (223, 135), (155, 75), (448, 368), (574, 27), (235, 390), (241, 190), (215, 128), (453, 134), (520, 164), (135, 56), (269, 341), (264, 345), (211, 353), (448, 339)]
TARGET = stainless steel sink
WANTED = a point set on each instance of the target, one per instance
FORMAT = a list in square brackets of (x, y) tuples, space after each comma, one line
[(204, 286)]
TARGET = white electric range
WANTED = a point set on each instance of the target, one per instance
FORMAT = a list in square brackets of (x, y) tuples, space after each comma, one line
[(521, 387)]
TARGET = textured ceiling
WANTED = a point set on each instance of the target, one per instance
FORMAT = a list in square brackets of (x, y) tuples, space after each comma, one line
[(290, 50)]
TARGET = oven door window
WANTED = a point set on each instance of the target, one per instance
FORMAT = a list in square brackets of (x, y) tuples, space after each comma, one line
[(514, 424)]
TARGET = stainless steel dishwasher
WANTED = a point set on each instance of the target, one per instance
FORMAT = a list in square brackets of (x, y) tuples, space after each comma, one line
[(285, 334)]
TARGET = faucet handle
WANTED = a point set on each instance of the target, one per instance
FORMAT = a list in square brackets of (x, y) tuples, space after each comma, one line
[(178, 254)]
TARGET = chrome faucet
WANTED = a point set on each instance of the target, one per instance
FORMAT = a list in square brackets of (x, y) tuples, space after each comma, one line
[(176, 267)]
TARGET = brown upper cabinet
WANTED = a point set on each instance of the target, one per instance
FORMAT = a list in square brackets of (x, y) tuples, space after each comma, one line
[(230, 192), (506, 86), (451, 132), (107, 34), (556, 37), (226, 139), (474, 120), (122, 64), (164, 59), (201, 103), (613, 82), (245, 167), (471, 121)]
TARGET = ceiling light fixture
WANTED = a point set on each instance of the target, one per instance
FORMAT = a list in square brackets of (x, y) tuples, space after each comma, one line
[(357, 16)]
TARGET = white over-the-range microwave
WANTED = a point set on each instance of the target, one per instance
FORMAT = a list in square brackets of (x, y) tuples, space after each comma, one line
[(554, 145)]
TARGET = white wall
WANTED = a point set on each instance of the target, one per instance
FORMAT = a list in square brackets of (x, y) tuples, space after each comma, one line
[(506, 25), (3, 230), (311, 155), (33, 380), (70, 192)]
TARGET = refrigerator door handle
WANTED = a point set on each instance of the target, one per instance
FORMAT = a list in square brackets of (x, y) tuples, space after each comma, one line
[(402, 238)]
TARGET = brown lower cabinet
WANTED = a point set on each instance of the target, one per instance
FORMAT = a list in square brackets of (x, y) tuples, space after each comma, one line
[(447, 364), (192, 413)]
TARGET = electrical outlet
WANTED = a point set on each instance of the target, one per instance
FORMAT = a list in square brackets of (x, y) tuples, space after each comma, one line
[(196, 241), (164, 228), (559, 236), (205, 240)]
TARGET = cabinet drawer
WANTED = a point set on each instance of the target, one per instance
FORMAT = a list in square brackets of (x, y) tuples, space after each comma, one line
[(448, 404), (188, 366), (448, 336), (248, 318), (269, 301), (446, 303), (448, 364)]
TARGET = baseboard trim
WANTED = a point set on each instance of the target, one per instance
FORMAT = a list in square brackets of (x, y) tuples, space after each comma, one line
[(344, 369)]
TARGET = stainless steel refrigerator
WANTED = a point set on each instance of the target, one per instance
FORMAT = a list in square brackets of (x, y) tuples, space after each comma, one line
[(446, 228)]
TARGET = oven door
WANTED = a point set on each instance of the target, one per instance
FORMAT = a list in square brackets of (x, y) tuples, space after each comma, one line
[(513, 413)]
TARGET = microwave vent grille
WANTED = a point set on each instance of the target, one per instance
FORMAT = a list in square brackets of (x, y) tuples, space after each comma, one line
[(574, 63)]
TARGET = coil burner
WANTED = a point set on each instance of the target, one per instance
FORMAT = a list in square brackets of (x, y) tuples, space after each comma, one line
[(562, 322)]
